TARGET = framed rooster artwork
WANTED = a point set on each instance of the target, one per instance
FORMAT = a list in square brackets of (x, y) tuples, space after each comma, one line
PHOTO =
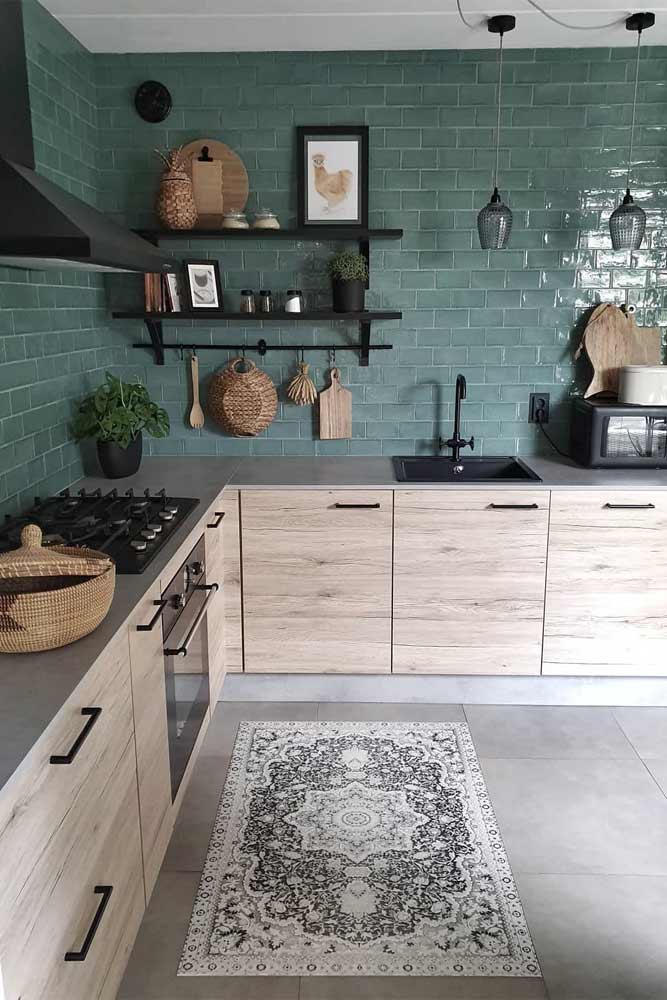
[(332, 176)]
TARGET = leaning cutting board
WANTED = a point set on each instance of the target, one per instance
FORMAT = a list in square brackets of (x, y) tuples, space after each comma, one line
[(234, 174), (611, 340), (335, 410)]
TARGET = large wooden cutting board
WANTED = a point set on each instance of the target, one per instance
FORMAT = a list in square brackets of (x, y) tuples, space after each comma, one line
[(335, 410), (611, 340), (234, 175)]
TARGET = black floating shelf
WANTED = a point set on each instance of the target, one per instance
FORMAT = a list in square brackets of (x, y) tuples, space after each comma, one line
[(154, 320), (316, 233)]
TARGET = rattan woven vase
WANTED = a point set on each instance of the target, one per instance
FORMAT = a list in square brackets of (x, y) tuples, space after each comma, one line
[(175, 206), (52, 596), (243, 402)]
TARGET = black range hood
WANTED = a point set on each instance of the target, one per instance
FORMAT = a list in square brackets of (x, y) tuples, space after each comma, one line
[(41, 224)]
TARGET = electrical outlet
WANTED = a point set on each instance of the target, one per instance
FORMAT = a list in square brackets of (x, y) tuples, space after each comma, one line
[(538, 401)]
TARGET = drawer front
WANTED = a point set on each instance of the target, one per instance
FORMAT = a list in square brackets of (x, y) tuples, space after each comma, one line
[(42, 796), (84, 900), (469, 573), (607, 584), (317, 580)]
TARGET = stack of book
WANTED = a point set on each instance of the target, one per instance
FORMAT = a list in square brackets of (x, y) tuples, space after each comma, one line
[(162, 293)]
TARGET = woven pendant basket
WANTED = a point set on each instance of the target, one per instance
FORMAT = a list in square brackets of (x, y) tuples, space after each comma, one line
[(50, 597), (176, 208), (243, 402)]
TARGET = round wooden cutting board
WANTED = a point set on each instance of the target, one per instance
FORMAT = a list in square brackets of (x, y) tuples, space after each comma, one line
[(234, 174)]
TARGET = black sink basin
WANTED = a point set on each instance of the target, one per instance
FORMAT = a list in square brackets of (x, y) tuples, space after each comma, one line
[(434, 469)]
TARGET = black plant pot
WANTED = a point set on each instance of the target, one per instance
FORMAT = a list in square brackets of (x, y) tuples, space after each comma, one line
[(348, 296), (117, 462)]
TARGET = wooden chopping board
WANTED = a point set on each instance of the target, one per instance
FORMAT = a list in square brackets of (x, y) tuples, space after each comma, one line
[(335, 410), (234, 175), (611, 340)]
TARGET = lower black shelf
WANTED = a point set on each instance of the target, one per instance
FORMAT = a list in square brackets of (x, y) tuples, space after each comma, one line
[(154, 320)]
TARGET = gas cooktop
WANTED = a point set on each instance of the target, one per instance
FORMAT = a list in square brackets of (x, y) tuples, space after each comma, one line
[(129, 527)]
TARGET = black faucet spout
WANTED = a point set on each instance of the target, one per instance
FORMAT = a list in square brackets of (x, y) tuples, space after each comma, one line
[(456, 442)]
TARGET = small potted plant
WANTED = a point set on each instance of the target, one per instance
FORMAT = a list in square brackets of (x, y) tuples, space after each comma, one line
[(115, 416), (349, 274)]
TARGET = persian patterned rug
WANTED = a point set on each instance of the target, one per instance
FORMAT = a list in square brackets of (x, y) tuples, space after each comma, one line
[(357, 849)]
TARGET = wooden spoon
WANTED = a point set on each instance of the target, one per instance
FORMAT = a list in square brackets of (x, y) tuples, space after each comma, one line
[(196, 413)]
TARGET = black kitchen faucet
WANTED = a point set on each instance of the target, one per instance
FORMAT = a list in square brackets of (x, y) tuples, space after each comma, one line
[(456, 442)]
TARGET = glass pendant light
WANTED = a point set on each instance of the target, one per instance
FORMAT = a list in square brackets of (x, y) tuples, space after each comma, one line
[(494, 222), (628, 222)]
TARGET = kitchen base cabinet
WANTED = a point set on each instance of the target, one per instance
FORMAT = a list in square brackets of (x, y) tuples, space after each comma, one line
[(215, 616), (317, 580), (151, 735), (229, 504), (469, 575), (607, 584)]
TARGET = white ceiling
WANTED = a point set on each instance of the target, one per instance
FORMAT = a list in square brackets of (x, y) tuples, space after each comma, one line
[(325, 25)]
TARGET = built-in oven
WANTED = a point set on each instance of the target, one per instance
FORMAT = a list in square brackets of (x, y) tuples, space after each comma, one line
[(185, 640)]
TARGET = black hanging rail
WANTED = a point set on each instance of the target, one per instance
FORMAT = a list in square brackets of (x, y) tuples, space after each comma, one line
[(153, 323)]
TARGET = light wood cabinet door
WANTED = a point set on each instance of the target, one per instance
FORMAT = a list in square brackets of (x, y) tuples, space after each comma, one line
[(469, 574), (151, 734), (317, 580), (215, 616), (606, 597)]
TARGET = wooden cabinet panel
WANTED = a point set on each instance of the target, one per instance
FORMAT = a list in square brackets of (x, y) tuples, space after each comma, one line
[(150, 721), (469, 571), (607, 584), (317, 580), (215, 616), (97, 845), (42, 797)]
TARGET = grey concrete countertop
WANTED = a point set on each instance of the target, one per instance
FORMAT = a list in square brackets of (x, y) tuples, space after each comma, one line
[(34, 687)]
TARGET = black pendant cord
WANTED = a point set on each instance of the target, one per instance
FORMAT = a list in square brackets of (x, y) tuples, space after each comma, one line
[(500, 93), (634, 111)]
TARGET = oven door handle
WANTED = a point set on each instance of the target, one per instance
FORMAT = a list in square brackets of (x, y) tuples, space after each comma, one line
[(183, 650)]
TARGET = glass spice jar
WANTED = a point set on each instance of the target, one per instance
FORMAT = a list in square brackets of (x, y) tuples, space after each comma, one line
[(234, 220), (247, 303), (265, 219), (265, 304)]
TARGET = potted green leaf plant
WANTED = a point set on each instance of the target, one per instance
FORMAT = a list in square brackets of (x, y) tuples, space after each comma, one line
[(115, 415), (349, 274)]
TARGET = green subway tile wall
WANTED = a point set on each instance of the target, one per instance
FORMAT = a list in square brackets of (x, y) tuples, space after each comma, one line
[(54, 338), (506, 319)]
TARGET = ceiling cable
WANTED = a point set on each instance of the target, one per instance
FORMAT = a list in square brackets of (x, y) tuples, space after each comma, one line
[(551, 17)]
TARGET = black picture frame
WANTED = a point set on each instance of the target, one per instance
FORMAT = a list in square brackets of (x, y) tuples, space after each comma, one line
[(310, 215), (193, 297)]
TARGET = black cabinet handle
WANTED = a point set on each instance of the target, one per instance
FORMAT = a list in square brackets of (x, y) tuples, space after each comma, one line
[(357, 506), (216, 524), (67, 758), (160, 605), (514, 506), (630, 506), (80, 956)]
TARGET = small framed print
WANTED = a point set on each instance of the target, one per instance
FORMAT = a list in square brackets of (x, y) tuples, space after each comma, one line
[(174, 292), (203, 284), (332, 176)]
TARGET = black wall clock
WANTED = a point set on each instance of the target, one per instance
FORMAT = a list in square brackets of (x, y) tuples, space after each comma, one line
[(152, 101)]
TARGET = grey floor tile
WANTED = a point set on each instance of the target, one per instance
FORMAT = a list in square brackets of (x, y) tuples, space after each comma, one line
[(546, 731), (658, 769), (370, 712), (189, 841), (151, 973), (224, 724), (598, 937), (646, 728), (421, 988), (579, 816)]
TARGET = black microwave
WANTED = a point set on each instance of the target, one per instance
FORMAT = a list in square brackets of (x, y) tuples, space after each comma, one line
[(618, 435)]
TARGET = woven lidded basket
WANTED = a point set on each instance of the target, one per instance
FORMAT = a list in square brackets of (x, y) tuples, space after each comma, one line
[(175, 206), (50, 597), (243, 403)]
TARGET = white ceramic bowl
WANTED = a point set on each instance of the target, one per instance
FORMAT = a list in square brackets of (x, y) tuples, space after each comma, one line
[(643, 385)]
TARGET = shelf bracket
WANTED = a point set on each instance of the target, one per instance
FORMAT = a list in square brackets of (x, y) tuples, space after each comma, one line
[(154, 327), (365, 251), (364, 351)]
